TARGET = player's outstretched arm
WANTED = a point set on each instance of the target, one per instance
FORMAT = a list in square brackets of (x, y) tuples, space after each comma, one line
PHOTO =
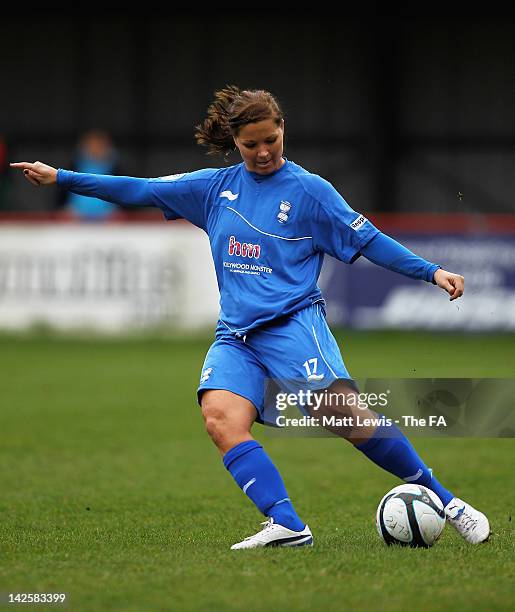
[(125, 190), (454, 284), (37, 173), (390, 254)]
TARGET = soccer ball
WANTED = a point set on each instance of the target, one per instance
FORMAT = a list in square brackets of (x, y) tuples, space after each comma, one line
[(410, 515)]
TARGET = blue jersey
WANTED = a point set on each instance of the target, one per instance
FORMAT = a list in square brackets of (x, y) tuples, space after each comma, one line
[(268, 234)]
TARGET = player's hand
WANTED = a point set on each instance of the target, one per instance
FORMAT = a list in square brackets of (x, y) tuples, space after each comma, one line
[(37, 173), (454, 284)]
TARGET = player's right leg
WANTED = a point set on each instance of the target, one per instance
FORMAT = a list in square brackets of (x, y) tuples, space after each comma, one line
[(229, 416)]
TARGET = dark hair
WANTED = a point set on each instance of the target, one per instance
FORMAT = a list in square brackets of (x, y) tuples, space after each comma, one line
[(231, 109)]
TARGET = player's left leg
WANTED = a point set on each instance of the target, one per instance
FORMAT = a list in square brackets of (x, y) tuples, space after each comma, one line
[(389, 448), (381, 441), (312, 353)]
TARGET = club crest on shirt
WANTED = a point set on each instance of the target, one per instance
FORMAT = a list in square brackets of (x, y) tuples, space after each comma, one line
[(284, 210)]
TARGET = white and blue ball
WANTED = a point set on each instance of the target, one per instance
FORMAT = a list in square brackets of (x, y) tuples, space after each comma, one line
[(410, 515)]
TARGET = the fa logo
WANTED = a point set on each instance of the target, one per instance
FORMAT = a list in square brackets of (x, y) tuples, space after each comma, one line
[(284, 209)]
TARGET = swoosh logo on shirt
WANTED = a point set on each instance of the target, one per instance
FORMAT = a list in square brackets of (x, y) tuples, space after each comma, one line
[(229, 195)]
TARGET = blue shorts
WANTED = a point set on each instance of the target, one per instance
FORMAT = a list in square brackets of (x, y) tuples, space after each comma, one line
[(297, 351)]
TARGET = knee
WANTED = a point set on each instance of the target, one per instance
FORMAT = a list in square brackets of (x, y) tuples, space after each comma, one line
[(228, 418), (214, 419)]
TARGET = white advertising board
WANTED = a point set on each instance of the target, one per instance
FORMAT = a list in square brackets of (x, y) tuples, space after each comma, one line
[(109, 277)]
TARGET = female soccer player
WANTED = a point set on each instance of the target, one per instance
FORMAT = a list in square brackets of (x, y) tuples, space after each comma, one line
[(269, 223)]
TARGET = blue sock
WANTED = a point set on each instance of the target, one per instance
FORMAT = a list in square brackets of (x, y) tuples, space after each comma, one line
[(390, 449), (260, 480)]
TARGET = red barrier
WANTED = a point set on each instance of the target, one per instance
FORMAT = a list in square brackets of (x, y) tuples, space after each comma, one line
[(444, 223), (151, 215), (423, 223)]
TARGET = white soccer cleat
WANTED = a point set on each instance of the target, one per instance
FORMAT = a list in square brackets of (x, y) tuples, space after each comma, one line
[(274, 534), (471, 524)]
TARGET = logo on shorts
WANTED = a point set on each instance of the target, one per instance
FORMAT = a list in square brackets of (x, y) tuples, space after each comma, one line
[(205, 375), (284, 210), (313, 377)]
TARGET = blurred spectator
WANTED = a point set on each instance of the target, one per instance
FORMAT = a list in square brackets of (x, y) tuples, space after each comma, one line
[(5, 177), (96, 155)]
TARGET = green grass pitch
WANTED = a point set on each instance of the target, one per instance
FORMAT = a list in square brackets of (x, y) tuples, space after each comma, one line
[(112, 492)]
